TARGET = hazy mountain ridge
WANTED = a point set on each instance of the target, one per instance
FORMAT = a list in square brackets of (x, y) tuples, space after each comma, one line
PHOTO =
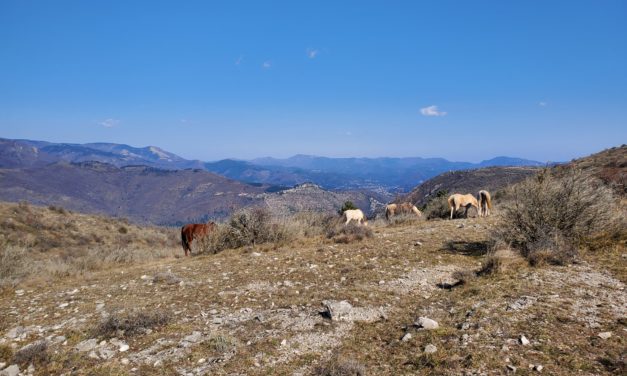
[(390, 174), (387, 172), (36, 153), (165, 197)]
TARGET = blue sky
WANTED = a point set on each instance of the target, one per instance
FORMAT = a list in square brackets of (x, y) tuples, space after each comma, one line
[(464, 80)]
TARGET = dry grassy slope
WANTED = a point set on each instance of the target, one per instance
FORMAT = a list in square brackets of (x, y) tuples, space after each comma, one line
[(468, 181), (144, 194), (256, 312), (59, 231), (609, 165)]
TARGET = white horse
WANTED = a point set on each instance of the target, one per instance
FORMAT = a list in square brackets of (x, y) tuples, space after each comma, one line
[(485, 203), (457, 200), (355, 215)]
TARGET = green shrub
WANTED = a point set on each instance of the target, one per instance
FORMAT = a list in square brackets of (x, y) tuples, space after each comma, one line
[(348, 205)]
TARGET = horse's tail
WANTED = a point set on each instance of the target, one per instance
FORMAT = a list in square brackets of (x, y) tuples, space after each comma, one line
[(488, 199), (184, 241), (450, 201)]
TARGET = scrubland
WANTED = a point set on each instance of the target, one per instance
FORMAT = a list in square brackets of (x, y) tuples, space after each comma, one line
[(539, 287)]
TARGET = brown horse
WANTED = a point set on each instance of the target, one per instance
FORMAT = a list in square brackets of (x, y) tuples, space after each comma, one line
[(193, 231), (485, 203), (402, 208), (457, 200)]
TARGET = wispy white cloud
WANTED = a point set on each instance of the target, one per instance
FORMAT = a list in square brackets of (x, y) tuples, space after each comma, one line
[(239, 60), (542, 104), (432, 111), (109, 123), (312, 53), (266, 64)]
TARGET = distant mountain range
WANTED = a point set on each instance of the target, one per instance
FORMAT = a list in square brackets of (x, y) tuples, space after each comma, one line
[(150, 185), (377, 174), (165, 197)]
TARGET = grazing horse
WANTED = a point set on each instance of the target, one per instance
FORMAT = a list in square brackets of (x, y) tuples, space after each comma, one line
[(402, 208), (193, 231), (485, 203), (457, 200), (355, 215)]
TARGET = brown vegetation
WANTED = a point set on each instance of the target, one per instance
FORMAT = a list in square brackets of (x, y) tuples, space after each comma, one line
[(131, 323), (53, 242), (549, 218)]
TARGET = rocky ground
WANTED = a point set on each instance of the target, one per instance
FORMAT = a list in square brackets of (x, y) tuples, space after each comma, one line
[(392, 304)]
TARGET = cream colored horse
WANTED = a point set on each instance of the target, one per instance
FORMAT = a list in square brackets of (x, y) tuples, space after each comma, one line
[(457, 200), (402, 208), (355, 215), (485, 203)]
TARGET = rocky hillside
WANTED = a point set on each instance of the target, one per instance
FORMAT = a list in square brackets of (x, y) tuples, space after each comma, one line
[(310, 197), (468, 181), (163, 197), (143, 194), (609, 165), (400, 302)]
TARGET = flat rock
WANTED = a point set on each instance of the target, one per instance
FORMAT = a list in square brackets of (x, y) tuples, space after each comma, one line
[(430, 349), (406, 337), (15, 332), (336, 310), (426, 323), (195, 337), (87, 345), (604, 335), (12, 370)]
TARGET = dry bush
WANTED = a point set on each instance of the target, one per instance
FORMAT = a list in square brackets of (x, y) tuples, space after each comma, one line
[(57, 209), (220, 343), (129, 324), (340, 367), (501, 261), (14, 264), (6, 352), (404, 219), (309, 224), (437, 208), (246, 227), (464, 276), (349, 233), (36, 353), (549, 217)]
